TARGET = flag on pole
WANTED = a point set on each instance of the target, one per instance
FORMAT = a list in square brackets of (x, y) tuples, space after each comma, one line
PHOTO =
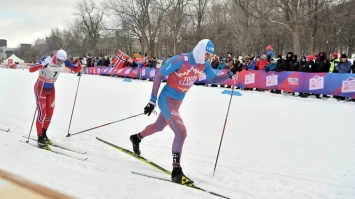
[(120, 59)]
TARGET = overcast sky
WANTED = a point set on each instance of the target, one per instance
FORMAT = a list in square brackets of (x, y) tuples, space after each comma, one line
[(24, 21)]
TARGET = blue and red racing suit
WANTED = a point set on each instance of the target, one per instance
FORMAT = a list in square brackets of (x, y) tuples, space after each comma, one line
[(182, 71), (49, 70)]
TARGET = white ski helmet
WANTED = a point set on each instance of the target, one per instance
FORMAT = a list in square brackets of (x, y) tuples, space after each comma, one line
[(204, 46), (61, 55)]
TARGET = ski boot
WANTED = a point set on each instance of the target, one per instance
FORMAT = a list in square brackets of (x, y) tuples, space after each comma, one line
[(46, 139), (135, 142), (179, 177), (41, 142)]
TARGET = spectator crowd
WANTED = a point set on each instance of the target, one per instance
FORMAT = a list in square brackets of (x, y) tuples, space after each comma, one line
[(314, 63)]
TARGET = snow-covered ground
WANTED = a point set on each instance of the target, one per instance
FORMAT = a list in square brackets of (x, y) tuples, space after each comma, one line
[(274, 146)]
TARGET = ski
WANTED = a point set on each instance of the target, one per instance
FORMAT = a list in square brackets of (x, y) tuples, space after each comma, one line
[(5, 130), (194, 187), (141, 158), (54, 151), (60, 146)]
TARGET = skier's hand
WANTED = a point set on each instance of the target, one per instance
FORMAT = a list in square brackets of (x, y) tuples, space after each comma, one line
[(148, 109), (45, 65), (46, 62)]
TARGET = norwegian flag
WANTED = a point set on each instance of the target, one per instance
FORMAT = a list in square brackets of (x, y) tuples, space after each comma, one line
[(120, 59)]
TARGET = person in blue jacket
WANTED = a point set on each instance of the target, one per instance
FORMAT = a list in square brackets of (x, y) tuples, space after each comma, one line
[(222, 64), (344, 66)]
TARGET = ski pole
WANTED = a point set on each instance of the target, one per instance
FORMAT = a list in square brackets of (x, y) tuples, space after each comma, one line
[(225, 122), (77, 88), (106, 124)]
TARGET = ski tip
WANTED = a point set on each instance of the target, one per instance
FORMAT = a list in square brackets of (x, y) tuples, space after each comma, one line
[(8, 130)]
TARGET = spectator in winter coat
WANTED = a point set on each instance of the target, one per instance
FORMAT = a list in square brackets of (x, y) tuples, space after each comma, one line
[(322, 65), (106, 61), (334, 61), (280, 64), (344, 66), (271, 66), (269, 53), (214, 63), (262, 63), (353, 67), (310, 63), (292, 65), (229, 61), (251, 64), (222, 64), (288, 59), (237, 66), (303, 67)]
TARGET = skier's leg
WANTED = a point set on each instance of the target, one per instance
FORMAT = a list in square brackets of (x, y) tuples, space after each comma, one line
[(50, 104), (41, 107)]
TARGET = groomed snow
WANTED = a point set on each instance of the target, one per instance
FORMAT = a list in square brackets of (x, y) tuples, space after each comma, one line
[(274, 146)]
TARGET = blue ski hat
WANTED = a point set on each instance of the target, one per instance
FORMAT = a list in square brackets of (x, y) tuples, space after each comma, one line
[(210, 47)]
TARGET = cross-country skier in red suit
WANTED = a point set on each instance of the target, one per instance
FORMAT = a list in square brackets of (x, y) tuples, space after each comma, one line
[(49, 70), (182, 71)]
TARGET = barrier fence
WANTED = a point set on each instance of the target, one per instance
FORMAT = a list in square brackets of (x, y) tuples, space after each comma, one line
[(317, 83)]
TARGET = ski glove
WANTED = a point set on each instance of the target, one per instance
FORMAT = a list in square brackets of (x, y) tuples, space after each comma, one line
[(45, 65), (149, 108)]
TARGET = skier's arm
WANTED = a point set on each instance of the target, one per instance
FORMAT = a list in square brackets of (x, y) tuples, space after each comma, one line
[(214, 77), (172, 65), (35, 67), (42, 63), (72, 67), (156, 85)]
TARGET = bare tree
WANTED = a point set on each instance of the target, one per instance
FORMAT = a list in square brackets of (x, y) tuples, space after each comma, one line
[(90, 20), (176, 17), (200, 7), (55, 40), (145, 17)]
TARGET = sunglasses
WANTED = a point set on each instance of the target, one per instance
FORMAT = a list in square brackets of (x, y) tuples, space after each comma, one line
[(60, 61)]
